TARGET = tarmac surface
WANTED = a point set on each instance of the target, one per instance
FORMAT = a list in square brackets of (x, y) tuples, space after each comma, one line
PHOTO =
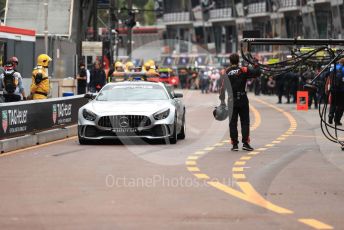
[(293, 179)]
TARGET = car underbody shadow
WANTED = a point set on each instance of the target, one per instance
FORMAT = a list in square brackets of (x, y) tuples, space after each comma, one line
[(130, 142)]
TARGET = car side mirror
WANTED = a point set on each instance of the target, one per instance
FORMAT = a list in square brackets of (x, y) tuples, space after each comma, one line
[(90, 96), (178, 95)]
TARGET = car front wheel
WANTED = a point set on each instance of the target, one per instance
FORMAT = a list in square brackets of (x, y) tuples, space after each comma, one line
[(181, 135), (174, 137)]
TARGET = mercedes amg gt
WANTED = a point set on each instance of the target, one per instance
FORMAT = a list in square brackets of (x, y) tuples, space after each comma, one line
[(131, 110)]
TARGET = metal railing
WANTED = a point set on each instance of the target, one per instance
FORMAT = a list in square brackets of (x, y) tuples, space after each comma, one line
[(176, 17), (221, 13)]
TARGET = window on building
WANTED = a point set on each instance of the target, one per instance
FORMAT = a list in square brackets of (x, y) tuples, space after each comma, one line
[(176, 6), (323, 19), (223, 4), (341, 9)]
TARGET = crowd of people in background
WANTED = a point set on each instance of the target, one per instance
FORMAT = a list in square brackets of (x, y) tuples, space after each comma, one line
[(285, 86), (207, 80)]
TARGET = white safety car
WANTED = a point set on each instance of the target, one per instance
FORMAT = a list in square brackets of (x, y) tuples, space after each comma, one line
[(131, 110)]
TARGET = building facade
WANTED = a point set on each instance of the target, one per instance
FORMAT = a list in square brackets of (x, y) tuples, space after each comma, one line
[(218, 26)]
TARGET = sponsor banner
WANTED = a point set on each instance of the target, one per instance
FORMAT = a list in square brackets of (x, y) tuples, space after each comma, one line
[(20, 118)]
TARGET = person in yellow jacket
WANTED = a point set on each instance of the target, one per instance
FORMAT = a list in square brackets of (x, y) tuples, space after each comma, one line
[(129, 67), (150, 69), (118, 72), (147, 65), (40, 85)]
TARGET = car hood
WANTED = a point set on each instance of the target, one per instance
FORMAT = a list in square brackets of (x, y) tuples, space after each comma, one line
[(127, 107)]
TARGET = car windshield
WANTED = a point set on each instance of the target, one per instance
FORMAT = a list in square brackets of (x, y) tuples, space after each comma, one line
[(135, 92)]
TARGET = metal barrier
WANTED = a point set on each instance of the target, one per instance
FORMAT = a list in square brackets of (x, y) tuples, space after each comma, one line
[(28, 117)]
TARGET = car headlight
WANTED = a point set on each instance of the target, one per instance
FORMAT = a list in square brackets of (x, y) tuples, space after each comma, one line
[(161, 115), (88, 115)]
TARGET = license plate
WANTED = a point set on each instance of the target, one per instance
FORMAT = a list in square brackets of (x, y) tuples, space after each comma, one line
[(124, 130)]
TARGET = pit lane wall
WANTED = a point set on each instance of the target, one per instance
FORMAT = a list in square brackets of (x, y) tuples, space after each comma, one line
[(34, 122)]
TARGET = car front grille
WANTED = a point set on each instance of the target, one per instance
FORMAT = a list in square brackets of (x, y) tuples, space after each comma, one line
[(124, 121)]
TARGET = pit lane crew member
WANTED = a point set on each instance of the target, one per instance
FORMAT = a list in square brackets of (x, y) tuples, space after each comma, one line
[(337, 94), (129, 67), (151, 69), (238, 78), (118, 72), (40, 86)]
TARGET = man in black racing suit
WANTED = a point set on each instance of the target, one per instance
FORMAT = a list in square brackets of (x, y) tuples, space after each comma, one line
[(238, 77)]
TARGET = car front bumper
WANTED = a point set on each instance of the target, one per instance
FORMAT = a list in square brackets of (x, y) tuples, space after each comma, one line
[(92, 132)]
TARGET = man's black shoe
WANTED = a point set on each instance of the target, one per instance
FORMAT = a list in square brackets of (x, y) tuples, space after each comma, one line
[(330, 120), (235, 147), (247, 147), (339, 124)]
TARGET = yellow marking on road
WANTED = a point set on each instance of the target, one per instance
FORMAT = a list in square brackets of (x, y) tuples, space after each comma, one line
[(219, 144), (251, 198), (280, 138), (256, 198), (193, 157), (284, 135), (269, 145), (37, 146), (315, 224), (253, 153), (261, 149), (201, 176), (226, 141), (257, 118), (239, 163), (193, 169), (199, 153), (209, 149), (237, 169), (228, 190), (276, 142), (239, 176), (245, 158), (190, 162)]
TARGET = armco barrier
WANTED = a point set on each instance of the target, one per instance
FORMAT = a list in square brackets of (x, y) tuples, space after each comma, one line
[(29, 117)]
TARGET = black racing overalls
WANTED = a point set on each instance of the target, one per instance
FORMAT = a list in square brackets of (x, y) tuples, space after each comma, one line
[(238, 77)]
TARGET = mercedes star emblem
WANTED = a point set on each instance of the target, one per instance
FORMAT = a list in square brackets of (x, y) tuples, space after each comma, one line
[(124, 122)]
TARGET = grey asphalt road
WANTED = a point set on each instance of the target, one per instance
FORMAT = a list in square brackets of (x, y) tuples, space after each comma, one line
[(293, 180)]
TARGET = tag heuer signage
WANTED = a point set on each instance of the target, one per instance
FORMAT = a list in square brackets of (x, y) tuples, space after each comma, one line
[(14, 120), (62, 113), (33, 116)]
